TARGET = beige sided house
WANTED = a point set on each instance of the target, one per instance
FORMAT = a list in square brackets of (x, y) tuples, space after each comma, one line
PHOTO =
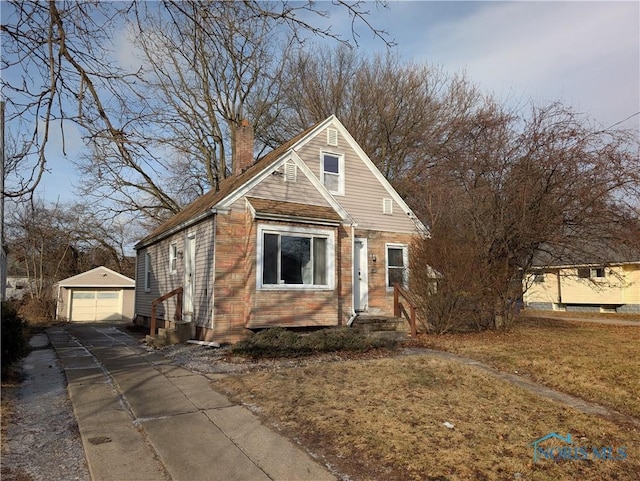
[(614, 287), (97, 295), (309, 235)]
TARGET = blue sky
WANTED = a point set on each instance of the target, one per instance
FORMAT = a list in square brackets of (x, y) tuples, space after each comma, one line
[(584, 54)]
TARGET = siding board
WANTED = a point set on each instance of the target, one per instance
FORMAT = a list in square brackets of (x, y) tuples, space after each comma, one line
[(363, 192)]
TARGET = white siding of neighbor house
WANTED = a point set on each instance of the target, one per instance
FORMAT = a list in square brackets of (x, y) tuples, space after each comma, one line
[(541, 292), (163, 281), (364, 194), (632, 291)]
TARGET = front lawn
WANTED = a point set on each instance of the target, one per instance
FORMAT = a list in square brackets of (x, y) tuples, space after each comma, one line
[(384, 419), (596, 362)]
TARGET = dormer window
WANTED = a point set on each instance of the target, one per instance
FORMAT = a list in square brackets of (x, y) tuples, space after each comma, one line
[(332, 171)]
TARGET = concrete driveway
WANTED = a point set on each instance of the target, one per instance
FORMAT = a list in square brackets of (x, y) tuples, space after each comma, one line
[(143, 418)]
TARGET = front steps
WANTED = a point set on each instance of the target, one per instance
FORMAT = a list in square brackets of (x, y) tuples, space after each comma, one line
[(174, 333), (381, 326)]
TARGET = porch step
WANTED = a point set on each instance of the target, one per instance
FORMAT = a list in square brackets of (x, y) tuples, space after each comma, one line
[(174, 333), (381, 326)]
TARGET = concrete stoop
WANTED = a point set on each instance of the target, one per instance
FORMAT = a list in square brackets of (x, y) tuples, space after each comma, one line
[(174, 333), (381, 326)]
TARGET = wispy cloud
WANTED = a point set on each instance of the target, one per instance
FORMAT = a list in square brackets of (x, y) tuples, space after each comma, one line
[(585, 54)]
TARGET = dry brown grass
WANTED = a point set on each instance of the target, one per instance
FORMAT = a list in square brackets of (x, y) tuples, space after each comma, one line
[(383, 419), (596, 362)]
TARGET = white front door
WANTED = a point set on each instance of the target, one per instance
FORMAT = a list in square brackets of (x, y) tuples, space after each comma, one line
[(189, 277), (360, 275)]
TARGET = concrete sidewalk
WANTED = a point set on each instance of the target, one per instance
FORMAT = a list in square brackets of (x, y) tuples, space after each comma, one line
[(143, 418)]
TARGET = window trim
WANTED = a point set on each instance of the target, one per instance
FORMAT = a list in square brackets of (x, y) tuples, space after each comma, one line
[(328, 234), (173, 258), (405, 261), (341, 175)]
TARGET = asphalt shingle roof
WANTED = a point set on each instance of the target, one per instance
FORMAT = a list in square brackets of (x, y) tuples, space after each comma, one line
[(207, 201)]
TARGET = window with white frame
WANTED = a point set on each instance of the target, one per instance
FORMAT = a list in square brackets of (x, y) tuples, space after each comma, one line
[(396, 265), (173, 258), (332, 170), (147, 271), (295, 258)]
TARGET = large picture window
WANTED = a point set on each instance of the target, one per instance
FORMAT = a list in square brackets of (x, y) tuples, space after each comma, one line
[(295, 258), (397, 260)]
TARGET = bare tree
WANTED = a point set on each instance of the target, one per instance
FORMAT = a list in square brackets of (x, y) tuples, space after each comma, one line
[(516, 189), (401, 114), (52, 242), (60, 65)]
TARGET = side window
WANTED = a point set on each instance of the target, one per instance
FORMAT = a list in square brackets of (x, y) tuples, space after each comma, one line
[(147, 272), (396, 265), (332, 171), (173, 258)]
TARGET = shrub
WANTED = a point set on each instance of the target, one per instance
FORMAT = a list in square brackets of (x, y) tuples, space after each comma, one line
[(37, 310), (14, 341), (281, 342)]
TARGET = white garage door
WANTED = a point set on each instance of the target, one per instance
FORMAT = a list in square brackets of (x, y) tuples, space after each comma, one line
[(99, 305)]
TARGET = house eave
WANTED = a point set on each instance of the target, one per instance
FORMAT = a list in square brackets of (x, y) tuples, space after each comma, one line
[(168, 233), (303, 220), (97, 286)]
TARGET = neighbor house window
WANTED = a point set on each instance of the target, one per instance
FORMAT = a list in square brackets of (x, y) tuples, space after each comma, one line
[(173, 258), (332, 170), (295, 258), (590, 272), (147, 272), (397, 257)]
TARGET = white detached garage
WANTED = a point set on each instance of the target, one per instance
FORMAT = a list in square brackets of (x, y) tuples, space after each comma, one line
[(97, 295)]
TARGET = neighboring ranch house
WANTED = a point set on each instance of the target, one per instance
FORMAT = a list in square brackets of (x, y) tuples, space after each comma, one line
[(309, 235), (97, 295), (613, 287)]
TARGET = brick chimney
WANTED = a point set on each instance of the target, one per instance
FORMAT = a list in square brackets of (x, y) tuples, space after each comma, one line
[(243, 148)]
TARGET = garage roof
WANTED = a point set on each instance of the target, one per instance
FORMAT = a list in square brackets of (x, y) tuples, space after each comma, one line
[(98, 277)]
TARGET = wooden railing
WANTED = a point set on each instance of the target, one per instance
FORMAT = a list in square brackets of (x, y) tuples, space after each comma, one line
[(155, 302), (399, 309)]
